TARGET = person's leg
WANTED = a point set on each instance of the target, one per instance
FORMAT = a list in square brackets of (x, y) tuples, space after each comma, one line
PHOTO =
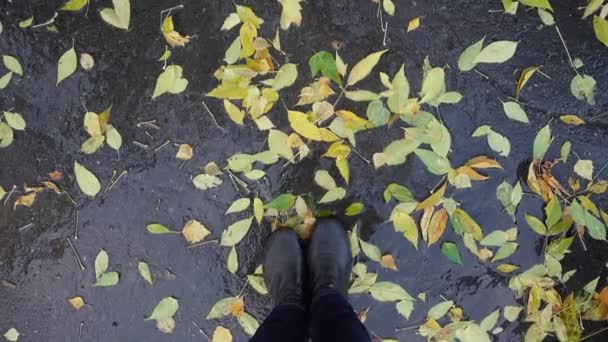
[(332, 318), (283, 274)]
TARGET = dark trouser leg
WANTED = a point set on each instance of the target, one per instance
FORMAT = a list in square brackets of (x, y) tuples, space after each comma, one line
[(332, 319), (286, 323)]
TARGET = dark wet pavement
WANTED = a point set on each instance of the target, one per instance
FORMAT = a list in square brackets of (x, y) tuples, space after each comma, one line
[(39, 262)]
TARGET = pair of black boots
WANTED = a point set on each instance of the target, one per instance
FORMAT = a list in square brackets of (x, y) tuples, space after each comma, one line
[(291, 276)]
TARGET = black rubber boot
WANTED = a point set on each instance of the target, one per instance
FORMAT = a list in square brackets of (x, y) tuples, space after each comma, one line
[(329, 257), (284, 267)]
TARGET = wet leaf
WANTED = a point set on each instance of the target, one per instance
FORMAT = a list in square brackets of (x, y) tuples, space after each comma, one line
[(524, 77), (592, 7), (463, 223), (505, 251), (385, 291), (248, 323), (233, 261), (583, 88), (66, 65), (157, 228), (221, 334), (399, 101), (387, 261), (235, 232), (231, 21), (74, 5), (489, 321), (537, 225), (113, 138), (600, 26), (12, 64), (399, 192), (437, 226), (26, 23), (258, 209), (282, 202), (285, 76), (511, 313), (514, 112), (439, 310), (119, 16), (170, 81), (194, 231), (101, 263), (496, 52), (584, 168), (6, 135), (466, 61), (433, 85), (291, 13), (506, 268), (450, 250), (172, 37), (472, 333), (76, 302), (565, 151), (495, 238), (12, 335), (184, 152), (413, 24), (572, 119), (405, 223), (205, 182), (541, 142), (371, 251), (323, 62), (15, 120), (364, 67), (499, 143), (87, 181), (221, 308), (553, 212), (238, 206), (144, 272), (333, 195), (165, 309)]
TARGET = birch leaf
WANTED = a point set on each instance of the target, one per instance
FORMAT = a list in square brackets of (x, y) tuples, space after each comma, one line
[(12, 64), (119, 16), (15, 120), (87, 181), (170, 81), (238, 206), (144, 272), (291, 13), (466, 61), (496, 52), (113, 138), (364, 67), (235, 232), (165, 309), (233, 261), (514, 112), (66, 65), (195, 231)]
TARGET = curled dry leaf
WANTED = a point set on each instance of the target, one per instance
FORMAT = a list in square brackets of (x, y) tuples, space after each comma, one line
[(184, 152)]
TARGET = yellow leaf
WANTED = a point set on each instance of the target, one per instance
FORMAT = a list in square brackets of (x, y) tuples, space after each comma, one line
[(387, 261), (76, 302), (26, 200), (600, 26), (194, 231), (248, 33), (184, 152), (235, 113), (405, 223), (104, 118), (221, 334), (413, 24), (342, 165), (327, 135), (317, 91), (364, 67), (337, 149), (425, 221), (471, 173), (172, 37), (352, 121), (92, 124), (433, 199), (437, 225), (506, 268), (572, 119), (237, 307), (524, 77), (483, 162), (291, 13), (300, 123), (468, 225)]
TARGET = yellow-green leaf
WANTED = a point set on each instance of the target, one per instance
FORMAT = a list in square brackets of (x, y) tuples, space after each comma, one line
[(165, 309), (74, 5), (364, 67), (572, 119), (119, 16), (66, 65), (170, 81), (291, 13), (12, 64), (87, 181)]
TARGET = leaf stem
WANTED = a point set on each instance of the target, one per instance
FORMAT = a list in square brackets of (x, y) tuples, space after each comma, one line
[(212, 117), (566, 48)]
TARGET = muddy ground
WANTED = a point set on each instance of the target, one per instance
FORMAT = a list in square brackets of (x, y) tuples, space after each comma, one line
[(40, 263)]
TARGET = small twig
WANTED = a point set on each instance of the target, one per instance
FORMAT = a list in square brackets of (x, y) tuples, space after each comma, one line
[(597, 174), (359, 154), (118, 178), (76, 254), (593, 334), (582, 242), (111, 180), (144, 146), (148, 134), (76, 230), (161, 146), (150, 123), (201, 331), (599, 115), (168, 10), (339, 97), (80, 329), (9, 194), (158, 204), (212, 116), (48, 22), (542, 73), (25, 227), (233, 183), (244, 287), (482, 74), (566, 48), (241, 182), (203, 243)]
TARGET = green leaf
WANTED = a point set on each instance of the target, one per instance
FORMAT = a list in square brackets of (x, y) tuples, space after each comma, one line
[(258, 209), (497, 52), (433, 85), (66, 65), (499, 143), (481, 131), (233, 261), (333, 195), (119, 16), (514, 112), (170, 81), (450, 250), (451, 97), (600, 26), (324, 180), (472, 333), (510, 6), (74, 5), (101, 263), (583, 168), (205, 182), (324, 63), (113, 137), (557, 248), (537, 225), (399, 192), (166, 308), (405, 308), (26, 23), (238, 206), (565, 151), (489, 322), (235, 113), (371, 251), (495, 238), (221, 308), (541, 142), (546, 17), (144, 272), (87, 181), (377, 114), (12, 64), (405, 224), (553, 211), (399, 102), (583, 88), (537, 3), (439, 310), (107, 279), (248, 323), (285, 76), (235, 232), (512, 312), (157, 228), (258, 284), (466, 61), (354, 209), (233, 53), (364, 67), (254, 174), (505, 251), (282, 202), (15, 120), (12, 335), (266, 157), (435, 163), (596, 228), (385, 291), (5, 80)]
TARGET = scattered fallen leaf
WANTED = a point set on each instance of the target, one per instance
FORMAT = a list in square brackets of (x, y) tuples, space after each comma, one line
[(184, 152), (86, 61), (119, 16), (572, 119), (194, 231), (76, 302), (413, 24), (387, 261), (66, 65), (221, 334), (172, 37)]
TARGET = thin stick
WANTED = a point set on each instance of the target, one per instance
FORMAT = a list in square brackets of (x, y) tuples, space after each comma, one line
[(201, 331), (212, 116), (118, 178), (76, 230), (168, 10), (76, 254), (482, 74), (9, 194), (241, 182), (149, 124), (582, 242), (80, 329), (233, 183), (148, 134), (48, 22), (161, 146), (158, 204), (203, 243), (144, 146), (244, 287), (599, 115), (25, 227), (597, 174), (593, 334), (566, 48), (339, 97), (111, 179), (359, 154)]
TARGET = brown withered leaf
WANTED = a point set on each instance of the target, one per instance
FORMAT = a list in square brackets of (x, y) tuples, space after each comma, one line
[(387, 261), (212, 169), (437, 225), (237, 308), (483, 162), (473, 175), (26, 200), (362, 315), (56, 176)]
